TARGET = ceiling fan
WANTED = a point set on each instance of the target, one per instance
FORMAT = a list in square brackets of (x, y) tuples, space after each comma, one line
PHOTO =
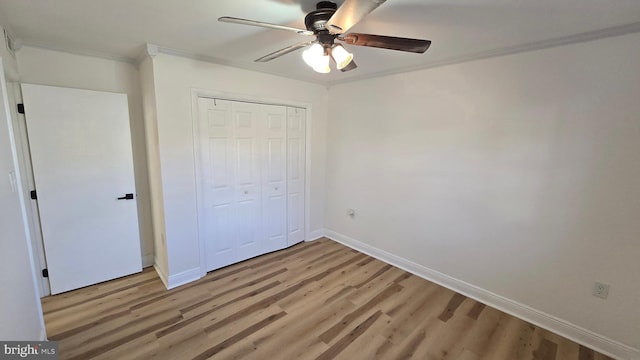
[(329, 23)]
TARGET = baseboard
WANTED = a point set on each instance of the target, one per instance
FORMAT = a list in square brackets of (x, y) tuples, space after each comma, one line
[(184, 277), (162, 273), (561, 327), (315, 235), (148, 260), (43, 334), (173, 281)]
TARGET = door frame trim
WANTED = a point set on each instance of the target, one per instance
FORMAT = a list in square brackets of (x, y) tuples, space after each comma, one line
[(14, 92), (197, 93)]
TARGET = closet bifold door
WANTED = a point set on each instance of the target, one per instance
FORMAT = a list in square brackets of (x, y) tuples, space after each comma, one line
[(274, 177), (216, 151), (296, 169), (230, 181), (248, 121), (246, 160)]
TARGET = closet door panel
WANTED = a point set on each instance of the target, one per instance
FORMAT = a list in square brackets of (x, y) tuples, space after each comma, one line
[(247, 121), (296, 134), (274, 178), (218, 178)]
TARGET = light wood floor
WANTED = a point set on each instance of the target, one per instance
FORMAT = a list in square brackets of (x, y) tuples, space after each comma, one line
[(317, 300)]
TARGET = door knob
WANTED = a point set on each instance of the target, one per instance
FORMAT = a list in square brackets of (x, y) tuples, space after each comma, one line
[(126, 197)]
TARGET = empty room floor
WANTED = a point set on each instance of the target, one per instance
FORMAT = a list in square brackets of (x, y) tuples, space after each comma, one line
[(315, 300)]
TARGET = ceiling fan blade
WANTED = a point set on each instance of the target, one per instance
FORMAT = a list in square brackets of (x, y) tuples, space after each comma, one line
[(386, 42), (278, 53), (351, 66), (234, 20), (350, 13)]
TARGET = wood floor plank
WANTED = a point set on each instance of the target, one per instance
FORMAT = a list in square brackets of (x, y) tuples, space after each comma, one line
[(192, 320), (80, 314), (120, 340), (242, 286), (366, 345), (347, 320), (468, 355), (414, 345), (62, 301), (136, 349), (317, 300), (186, 348), (489, 323), (566, 349), (409, 349), (453, 304), (308, 318), (239, 336), (347, 339), (546, 350), (450, 347), (585, 353), (508, 341), (476, 310), (427, 307)]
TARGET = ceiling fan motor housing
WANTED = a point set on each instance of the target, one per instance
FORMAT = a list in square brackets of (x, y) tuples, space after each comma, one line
[(326, 5), (316, 20)]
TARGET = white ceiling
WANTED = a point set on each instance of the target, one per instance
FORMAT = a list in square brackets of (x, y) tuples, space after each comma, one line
[(460, 29)]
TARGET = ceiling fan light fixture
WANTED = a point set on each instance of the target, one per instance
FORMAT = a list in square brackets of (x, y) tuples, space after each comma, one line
[(312, 56), (322, 65), (341, 56), (317, 58)]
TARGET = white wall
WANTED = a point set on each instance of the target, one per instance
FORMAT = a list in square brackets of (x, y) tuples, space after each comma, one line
[(174, 78), (147, 84), (10, 62), (519, 175), (20, 309), (47, 67)]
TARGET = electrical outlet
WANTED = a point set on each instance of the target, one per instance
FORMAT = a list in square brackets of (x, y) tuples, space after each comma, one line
[(600, 290)]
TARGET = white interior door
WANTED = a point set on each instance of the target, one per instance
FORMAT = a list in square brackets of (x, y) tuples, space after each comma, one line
[(82, 162), (296, 169)]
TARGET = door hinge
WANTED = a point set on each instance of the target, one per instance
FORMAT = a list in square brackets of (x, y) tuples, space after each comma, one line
[(34, 195), (20, 108), (45, 273)]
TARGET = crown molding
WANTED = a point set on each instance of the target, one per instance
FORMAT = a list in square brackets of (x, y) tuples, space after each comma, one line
[(223, 62), (81, 52), (151, 50), (533, 46)]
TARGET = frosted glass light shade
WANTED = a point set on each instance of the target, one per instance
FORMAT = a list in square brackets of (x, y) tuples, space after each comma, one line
[(322, 65), (316, 57), (341, 56), (312, 54)]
